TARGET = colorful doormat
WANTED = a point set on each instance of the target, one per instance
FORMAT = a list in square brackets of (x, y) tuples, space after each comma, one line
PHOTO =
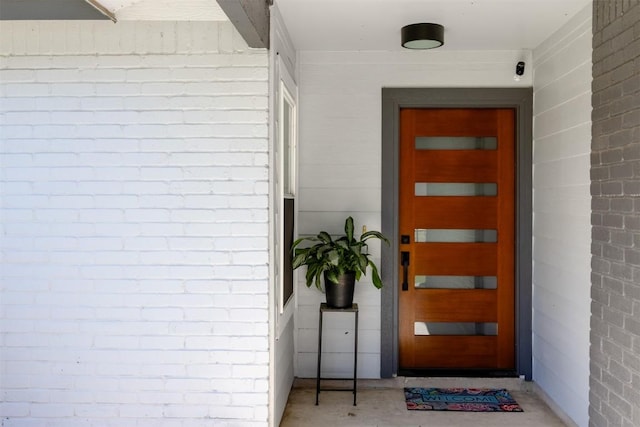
[(460, 399)]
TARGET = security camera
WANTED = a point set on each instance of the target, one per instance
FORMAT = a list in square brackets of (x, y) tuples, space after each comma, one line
[(519, 71)]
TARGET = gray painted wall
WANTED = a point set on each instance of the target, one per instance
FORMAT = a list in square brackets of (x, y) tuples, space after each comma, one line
[(615, 190)]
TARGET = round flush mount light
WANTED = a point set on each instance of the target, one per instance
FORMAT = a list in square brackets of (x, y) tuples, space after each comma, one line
[(422, 36)]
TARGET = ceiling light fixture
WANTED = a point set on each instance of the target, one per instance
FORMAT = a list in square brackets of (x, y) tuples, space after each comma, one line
[(422, 36)]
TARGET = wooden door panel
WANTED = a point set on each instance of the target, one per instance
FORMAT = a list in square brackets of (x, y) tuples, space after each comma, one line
[(455, 166), (456, 212), (457, 122), (463, 352), (461, 259), (421, 211), (456, 305)]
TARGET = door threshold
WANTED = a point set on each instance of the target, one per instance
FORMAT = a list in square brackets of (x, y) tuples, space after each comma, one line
[(457, 373)]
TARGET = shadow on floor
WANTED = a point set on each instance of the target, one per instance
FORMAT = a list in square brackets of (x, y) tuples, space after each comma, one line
[(380, 403)]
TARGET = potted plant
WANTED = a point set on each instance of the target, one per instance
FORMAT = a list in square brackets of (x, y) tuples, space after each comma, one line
[(341, 262)]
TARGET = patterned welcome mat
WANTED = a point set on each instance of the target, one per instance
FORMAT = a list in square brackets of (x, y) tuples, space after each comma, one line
[(460, 399)]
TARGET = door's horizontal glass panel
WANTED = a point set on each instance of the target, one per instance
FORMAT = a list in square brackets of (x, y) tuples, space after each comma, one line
[(455, 328), (456, 143), (456, 189), (455, 236), (456, 282)]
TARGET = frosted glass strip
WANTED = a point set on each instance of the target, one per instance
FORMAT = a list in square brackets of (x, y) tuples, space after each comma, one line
[(456, 282), (456, 143), (455, 328), (455, 189), (455, 236)]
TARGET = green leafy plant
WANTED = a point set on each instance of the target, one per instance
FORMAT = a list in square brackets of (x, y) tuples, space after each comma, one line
[(336, 257)]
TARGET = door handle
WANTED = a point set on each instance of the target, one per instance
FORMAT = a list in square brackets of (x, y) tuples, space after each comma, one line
[(404, 258)]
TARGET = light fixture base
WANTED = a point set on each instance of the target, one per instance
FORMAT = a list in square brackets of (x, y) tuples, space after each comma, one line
[(422, 36)]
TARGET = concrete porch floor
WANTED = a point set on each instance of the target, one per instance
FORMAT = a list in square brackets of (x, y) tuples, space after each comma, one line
[(380, 403)]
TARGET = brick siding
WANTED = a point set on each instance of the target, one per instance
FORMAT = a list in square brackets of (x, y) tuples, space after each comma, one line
[(134, 194), (615, 173)]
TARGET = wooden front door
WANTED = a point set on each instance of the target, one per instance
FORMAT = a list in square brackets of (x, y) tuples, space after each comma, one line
[(457, 228)]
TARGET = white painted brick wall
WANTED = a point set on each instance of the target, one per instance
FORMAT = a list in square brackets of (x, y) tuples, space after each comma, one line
[(562, 216), (134, 225)]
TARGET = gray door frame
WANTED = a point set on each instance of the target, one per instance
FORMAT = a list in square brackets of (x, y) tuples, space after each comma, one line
[(393, 99)]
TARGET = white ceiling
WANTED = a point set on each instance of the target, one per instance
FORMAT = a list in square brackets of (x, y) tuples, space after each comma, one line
[(352, 25)]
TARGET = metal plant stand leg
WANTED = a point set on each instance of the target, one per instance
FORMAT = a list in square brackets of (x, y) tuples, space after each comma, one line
[(319, 355), (355, 358), (353, 309)]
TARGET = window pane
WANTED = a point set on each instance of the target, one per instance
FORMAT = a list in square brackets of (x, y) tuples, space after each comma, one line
[(456, 143), (289, 214), (456, 282), (286, 146), (455, 236), (456, 189), (455, 328)]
